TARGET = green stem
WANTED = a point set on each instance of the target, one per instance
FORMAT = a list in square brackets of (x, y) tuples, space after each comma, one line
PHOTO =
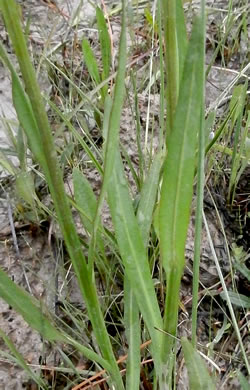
[(171, 308)]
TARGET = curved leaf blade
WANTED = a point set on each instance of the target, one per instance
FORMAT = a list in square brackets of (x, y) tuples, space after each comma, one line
[(133, 255), (199, 377)]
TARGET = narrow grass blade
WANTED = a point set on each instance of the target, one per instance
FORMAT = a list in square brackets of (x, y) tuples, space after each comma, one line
[(221, 128), (7, 128), (198, 375), (153, 25), (79, 138), (7, 164), (133, 255), (89, 98), (177, 186)]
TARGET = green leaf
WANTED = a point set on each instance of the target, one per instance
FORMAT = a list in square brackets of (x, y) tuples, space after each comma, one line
[(26, 118), (243, 269), (200, 184), (239, 140), (178, 176), (23, 109), (32, 312), (21, 148), (219, 334), (243, 381), (148, 197), (209, 123), (133, 254), (247, 146), (238, 98), (177, 186), (28, 307), (131, 317), (132, 330), (198, 375), (104, 42), (149, 18), (222, 128), (182, 41), (237, 299), (171, 59), (90, 61), (85, 198), (25, 187), (87, 203)]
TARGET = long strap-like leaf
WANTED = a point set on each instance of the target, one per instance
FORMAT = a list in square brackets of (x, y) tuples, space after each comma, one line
[(177, 186), (133, 254)]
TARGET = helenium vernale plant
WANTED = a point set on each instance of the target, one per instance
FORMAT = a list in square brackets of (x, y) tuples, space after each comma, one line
[(174, 165)]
